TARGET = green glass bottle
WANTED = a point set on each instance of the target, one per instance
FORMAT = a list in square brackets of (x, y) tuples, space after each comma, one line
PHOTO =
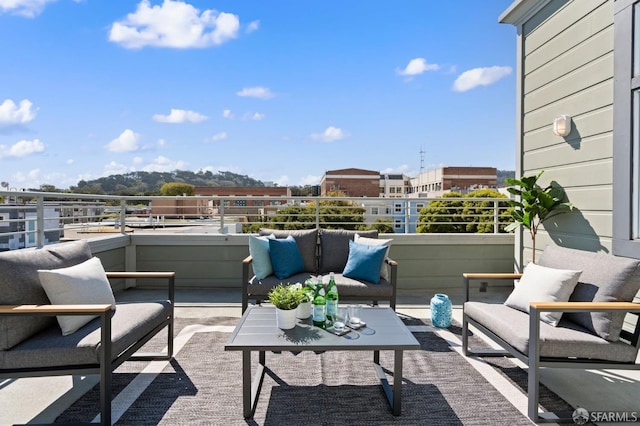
[(332, 300), (319, 306)]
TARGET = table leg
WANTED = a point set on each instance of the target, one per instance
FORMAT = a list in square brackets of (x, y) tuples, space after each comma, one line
[(397, 382), (251, 388)]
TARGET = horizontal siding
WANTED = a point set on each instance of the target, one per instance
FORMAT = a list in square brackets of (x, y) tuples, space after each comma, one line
[(590, 99), (564, 29), (591, 149), (593, 199)]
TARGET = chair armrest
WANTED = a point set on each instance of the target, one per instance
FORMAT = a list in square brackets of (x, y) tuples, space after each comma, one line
[(52, 310), (466, 277), (247, 260), (170, 276), (584, 306), (246, 264)]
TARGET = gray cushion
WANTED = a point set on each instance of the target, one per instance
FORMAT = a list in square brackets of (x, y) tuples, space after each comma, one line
[(604, 278), (334, 248), (307, 240), (566, 340), (49, 348), (19, 284), (347, 287)]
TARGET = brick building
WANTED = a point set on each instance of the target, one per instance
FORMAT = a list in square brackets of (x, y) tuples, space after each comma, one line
[(352, 182)]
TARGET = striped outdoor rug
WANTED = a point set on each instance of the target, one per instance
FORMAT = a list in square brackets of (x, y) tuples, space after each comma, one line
[(202, 386)]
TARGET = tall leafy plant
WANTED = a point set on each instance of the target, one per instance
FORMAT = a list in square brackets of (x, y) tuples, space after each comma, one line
[(535, 204)]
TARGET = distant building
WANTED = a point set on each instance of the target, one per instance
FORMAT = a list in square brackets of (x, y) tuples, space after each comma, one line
[(351, 182), (19, 225), (394, 185), (434, 183)]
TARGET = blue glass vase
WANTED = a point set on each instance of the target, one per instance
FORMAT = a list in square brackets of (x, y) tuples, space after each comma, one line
[(440, 311)]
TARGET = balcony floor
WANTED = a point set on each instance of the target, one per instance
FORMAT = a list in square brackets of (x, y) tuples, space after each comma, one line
[(41, 400)]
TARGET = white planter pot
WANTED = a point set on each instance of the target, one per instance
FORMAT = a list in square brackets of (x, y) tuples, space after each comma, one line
[(286, 319), (303, 311)]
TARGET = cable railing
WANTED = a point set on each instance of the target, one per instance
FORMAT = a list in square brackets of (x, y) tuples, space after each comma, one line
[(38, 218)]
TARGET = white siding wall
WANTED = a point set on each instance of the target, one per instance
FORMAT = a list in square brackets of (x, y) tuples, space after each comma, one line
[(567, 68)]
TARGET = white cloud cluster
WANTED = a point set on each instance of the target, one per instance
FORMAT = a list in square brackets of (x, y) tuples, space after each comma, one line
[(22, 148), (417, 66), (10, 113), (126, 142), (258, 92), (178, 116), (480, 77), (26, 8), (174, 24), (253, 26), (219, 136), (253, 116), (163, 164), (330, 134)]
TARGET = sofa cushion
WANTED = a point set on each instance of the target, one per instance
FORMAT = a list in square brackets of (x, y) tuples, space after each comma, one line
[(19, 284), (259, 251), (85, 283), (307, 240), (566, 340), (604, 278), (285, 257), (130, 322), (334, 248), (384, 269), (347, 287), (364, 262), (542, 284)]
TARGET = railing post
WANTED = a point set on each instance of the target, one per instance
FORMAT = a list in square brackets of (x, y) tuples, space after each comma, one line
[(123, 216), (407, 215), (222, 215), (496, 217), (39, 222), (318, 214)]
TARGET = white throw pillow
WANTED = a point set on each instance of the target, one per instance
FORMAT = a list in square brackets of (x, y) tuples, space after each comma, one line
[(261, 259), (384, 270), (82, 284), (542, 284)]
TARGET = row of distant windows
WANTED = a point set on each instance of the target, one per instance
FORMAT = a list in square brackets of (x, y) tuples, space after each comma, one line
[(397, 208)]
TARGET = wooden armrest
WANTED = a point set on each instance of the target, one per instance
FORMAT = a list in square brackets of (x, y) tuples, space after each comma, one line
[(492, 276), (140, 274), (390, 261), (585, 306), (55, 309), (247, 260)]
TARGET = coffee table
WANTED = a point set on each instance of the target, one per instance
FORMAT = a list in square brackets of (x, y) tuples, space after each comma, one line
[(257, 331)]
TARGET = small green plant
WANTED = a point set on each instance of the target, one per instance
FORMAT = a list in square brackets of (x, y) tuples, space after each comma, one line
[(288, 296), (535, 204)]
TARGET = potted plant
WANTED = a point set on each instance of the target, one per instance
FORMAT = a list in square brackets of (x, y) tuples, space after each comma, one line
[(305, 307), (286, 299), (535, 204)]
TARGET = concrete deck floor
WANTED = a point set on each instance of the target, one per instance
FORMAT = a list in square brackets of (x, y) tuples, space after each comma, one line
[(41, 400)]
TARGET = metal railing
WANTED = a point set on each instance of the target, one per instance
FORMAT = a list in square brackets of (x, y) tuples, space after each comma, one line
[(37, 218)]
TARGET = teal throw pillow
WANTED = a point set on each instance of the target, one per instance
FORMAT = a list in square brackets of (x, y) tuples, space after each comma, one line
[(259, 251), (285, 257), (364, 262)]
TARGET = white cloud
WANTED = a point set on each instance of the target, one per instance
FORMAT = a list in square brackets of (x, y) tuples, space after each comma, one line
[(310, 180), (256, 116), (70, 161), (282, 180), (10, 113), (253, 26), (114, 168), (161, 143), (480, 77), (180, 116), (126, 142), (228, 114), (174, 24), (330, 134), (256, 92), (417, 66), (137, 160), (27, 8), (22, 148), (219, 136), (163, 164)]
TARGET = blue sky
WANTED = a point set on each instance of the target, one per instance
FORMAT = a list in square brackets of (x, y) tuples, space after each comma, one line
[(279, 90)]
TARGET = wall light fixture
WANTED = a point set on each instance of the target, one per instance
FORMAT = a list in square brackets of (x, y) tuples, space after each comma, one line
[(562, 125)]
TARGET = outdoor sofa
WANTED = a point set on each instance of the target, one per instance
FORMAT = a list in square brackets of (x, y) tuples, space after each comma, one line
[(32, 343), (591, 293), (323, 251)]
